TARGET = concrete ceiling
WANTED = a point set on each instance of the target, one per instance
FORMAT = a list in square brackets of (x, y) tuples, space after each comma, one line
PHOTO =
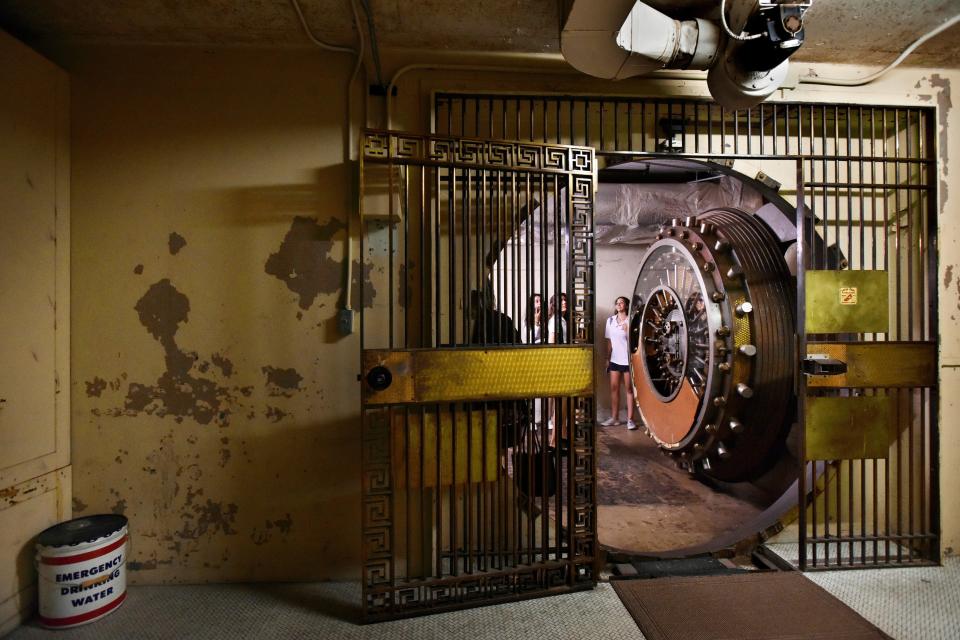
[(863, 31)]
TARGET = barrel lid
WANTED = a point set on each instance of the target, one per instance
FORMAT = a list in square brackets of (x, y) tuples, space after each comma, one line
[(81, 530)]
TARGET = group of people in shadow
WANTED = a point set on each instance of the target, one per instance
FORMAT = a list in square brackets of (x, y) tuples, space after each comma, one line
[(494, 327), (527, 426)]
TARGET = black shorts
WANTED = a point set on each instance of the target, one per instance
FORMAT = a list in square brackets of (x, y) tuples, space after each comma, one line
[(622, 368)]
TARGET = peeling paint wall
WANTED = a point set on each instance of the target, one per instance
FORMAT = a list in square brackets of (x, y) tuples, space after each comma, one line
[(215, 404)]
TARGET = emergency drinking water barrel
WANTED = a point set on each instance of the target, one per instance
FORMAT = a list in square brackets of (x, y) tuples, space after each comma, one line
[(81, 566)]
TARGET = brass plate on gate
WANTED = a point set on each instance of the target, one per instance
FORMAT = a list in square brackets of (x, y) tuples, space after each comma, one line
[(451, 375), (847, 302), (878, 364), (849, 428), (414, 448)]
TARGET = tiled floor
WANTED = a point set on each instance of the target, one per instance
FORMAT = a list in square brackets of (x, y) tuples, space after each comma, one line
[(921, 603), (910, 604)]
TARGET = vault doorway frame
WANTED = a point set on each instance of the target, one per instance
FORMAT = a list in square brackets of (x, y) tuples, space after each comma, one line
[(828, 144)]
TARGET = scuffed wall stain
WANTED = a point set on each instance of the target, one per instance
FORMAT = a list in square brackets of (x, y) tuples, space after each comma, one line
[(282, 382), (224, 452), (95, 387), (948, 276), (175, 243), (275, 414), (210, 518), (142, 566), (303, 260), (945, 103), (138, 269), (265, 535), (285, 525), (78, 504)]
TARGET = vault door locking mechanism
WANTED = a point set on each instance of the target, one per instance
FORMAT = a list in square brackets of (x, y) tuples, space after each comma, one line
[(821, 364)]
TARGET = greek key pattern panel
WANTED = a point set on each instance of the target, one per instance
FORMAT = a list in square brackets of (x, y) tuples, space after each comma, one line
[(581, 231), (409, 599), (377, 500), (584, 478), (387, 146)]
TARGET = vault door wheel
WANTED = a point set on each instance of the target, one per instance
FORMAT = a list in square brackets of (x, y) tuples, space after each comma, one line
[(711, 344)]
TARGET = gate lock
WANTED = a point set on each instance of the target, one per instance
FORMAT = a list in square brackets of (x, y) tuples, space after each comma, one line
[(379, 378), (820, 364)]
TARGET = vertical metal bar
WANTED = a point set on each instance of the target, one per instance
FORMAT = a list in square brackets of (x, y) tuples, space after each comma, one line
[(853, 264), (435, 252), (422, 263), (836, 178), (391, 210), (530, 135), (933, 432), (709, 127), (762, 130), (405, 296), (928, 255), (786, 128), (543, 109), (556, 118), (886, 260), (426, 557), (909, 151), (490, 118), (616, 125), (438, 491), (643, 127), (875, 486), (454, 495), (723, 130), (408, 529), (849, 179), (469, 521), (736, 131), (861, 178), (801, 384), (775, 132), (451, 258), (629, 125), (898, 333), (683, 124), (511, 490), (465, 252), (696, 127), (601, 145), (586, 130)]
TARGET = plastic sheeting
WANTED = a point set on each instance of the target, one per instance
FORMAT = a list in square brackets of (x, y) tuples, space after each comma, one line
[(630, 213)]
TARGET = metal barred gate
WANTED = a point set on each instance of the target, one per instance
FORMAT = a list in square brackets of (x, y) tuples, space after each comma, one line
[(867, 175), (478, 437)]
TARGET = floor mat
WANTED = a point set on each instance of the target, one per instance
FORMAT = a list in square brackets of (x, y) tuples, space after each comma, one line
[(681, 567), (754, 606)]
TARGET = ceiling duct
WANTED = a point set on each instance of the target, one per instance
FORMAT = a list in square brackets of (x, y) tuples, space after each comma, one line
[(617, 39)]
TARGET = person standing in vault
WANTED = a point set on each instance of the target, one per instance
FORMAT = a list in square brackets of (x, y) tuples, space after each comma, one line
[(618, 363)]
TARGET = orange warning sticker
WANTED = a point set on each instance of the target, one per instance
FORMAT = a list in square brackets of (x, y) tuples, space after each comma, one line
[(848, 295)]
